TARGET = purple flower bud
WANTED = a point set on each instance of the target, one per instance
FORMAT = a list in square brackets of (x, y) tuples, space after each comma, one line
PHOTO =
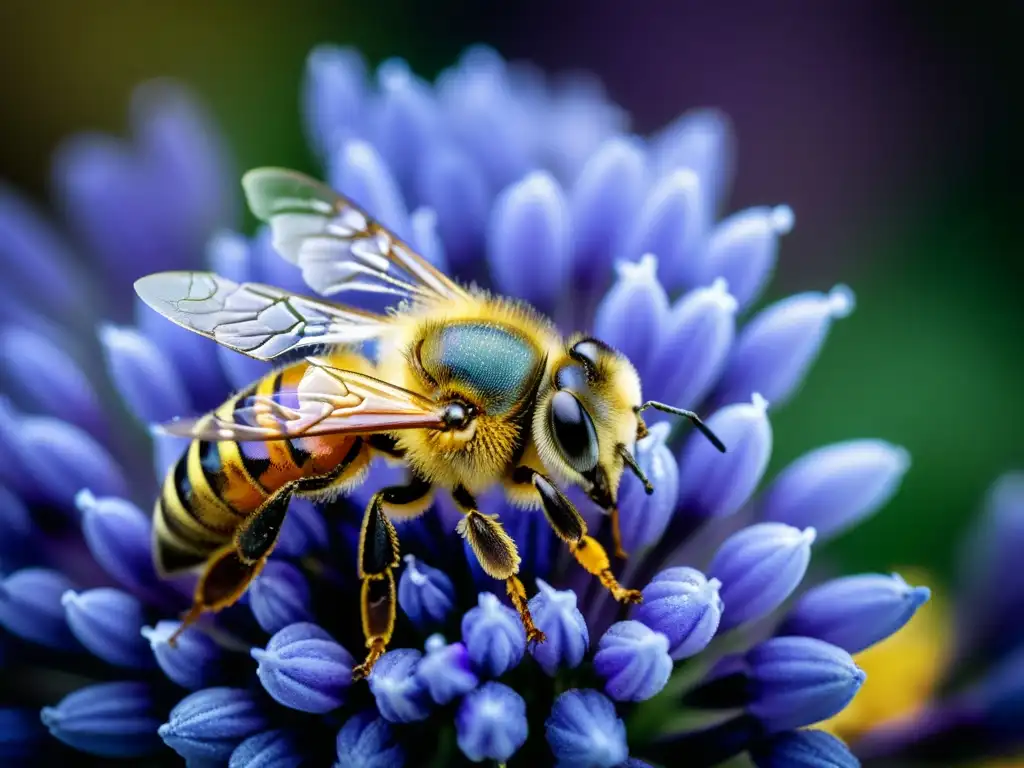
[(304, 669), (334, 96), (108, 720), (759, 567), (210, 724), (633, 660), (189, 354), (144, 377), (18, 542), (108, 622), (405, 120), (693, 347), (304, 530), (366, 741), (632, 315), (798, 681), (425, 594), (803, 749), (120, 537), (357, 170), (491, 723), (445, 670), (401, 696), (529, 240), (776, 348), (702, 140), (62, 459), (30, 358), (280, 596), (683, 605), (30, 607), (455, 188), (426, 239), (556, 615), (21, 735), (991, 600), (669, 224), (604, 201), (270, 749), (743, 248), (855, 612), (835, 487), (195, 662), (227, 254), (37, 265), (712, 484), (643, 516), (493, 635), (13, 469), (584, 730)]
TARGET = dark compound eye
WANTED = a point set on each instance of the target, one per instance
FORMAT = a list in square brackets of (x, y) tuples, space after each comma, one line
[(574, 432)]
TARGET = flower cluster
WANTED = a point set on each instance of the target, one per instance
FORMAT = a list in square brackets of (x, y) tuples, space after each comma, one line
[(963, 694), (535, 190)]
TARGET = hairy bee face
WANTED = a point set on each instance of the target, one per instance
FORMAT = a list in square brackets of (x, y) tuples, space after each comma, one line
[(587, 416)]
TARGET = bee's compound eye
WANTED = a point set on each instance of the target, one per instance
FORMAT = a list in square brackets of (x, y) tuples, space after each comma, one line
[(574, 431), (457, 415)]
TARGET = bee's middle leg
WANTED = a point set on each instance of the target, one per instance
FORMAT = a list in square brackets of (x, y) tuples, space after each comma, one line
[(231, 569), (497, 554), (571, 528), (378, 557)]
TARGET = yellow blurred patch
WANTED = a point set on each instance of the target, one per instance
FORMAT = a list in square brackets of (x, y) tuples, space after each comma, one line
[(902, 671)]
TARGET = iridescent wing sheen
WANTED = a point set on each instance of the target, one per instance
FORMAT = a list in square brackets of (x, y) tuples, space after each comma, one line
[(336, 244), (258, 320), (327, 401)]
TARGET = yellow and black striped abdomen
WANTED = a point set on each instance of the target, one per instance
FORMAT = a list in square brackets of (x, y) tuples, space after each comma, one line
[(214, 486)]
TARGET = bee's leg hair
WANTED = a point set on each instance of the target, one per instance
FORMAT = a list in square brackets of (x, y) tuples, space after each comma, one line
[(497, 554), (571, 528), (378, 557)]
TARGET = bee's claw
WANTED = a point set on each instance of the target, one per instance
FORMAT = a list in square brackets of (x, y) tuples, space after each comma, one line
[(621, 553), (628, 596), (534, 635)]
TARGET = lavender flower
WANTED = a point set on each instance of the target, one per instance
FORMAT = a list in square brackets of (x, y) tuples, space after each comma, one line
[(485, 167)]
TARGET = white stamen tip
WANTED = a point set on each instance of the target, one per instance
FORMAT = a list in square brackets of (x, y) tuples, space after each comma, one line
[(758, 401), (69, 597), (782, 219), (644, 270), (841, 301), (808, 535), (718, 292), (85, 500), (714, 585), (435, 642)]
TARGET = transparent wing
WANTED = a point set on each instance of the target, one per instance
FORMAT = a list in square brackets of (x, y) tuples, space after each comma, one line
[(258, 320), (335, 243), (327, 401)]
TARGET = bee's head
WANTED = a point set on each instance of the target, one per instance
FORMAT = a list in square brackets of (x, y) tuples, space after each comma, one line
[(589, 418)]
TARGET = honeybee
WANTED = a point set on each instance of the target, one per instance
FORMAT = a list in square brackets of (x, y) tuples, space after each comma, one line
[(468, 390)]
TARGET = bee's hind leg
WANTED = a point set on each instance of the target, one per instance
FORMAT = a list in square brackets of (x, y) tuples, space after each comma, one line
[(378, 557), (230, 569), (497, 554), (571, 528)]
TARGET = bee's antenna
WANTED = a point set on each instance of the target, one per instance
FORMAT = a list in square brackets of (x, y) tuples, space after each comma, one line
[(631, 463), (693, 417)]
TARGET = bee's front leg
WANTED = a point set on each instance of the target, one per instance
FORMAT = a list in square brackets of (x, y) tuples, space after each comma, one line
[(497, 554), (571, 528), (378, 557)]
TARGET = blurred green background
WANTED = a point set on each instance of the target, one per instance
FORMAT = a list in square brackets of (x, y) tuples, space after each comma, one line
[(887, 127)]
